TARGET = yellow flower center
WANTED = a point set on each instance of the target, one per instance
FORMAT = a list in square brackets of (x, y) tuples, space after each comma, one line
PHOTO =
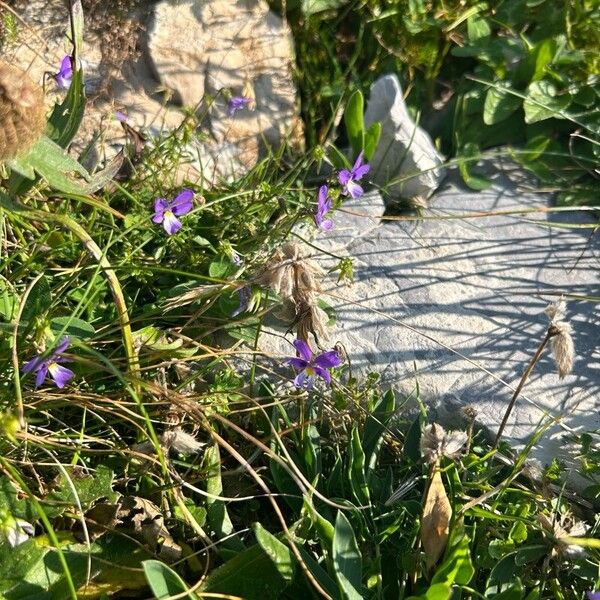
[(53, 368), (310, 371), (169, 214)]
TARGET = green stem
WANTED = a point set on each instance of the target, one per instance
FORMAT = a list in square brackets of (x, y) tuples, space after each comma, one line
[(49, 529), (93, 248)]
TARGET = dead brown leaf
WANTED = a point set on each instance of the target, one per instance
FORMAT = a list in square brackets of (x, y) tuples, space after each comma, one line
[(436, 519)]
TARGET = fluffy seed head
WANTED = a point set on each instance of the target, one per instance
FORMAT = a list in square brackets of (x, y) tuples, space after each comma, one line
[(436, 442), (291, 274), (22, 112), (563, 348), (310, 318)]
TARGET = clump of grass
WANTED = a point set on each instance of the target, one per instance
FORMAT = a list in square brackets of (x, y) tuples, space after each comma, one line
[(167, 463)]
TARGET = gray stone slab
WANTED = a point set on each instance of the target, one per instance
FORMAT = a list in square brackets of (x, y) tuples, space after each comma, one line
[(457, 305)]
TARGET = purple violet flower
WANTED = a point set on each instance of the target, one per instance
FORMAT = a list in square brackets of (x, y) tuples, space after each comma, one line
[(245, 294), (591, 595), (236, 259), (349, 178), (237, 103), (65, 73), (50, 365), (166, 212), (323, 207), (312, 366), (121, 116)]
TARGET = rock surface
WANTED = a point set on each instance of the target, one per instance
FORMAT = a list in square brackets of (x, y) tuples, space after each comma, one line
[(406, 163), (457, 306), (203, 50), (193, 49)]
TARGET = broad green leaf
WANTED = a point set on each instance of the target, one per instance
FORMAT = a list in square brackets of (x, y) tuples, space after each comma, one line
[(89, 489), (217, 514), (544, 102), (542, 54), (325, 529), (372, 135), (527, 554), (312, 7), (54, 165), (14, 502), (437, 591), (514, 592), (353, 118), (277, 551), (457, 567), (73, 327), (163, 581), (504, 571), (221, 268), (499, 105), (347, 560), (319, 573), (477, 28), (250, 574), (465, 163)]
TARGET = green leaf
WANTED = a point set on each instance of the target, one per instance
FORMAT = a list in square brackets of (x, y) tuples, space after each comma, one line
[(221, 268), (541, 56), (457, 567), (375, 427), (477, 28), (527, 554), (353, 118), (514, 592), (499, 105), (73, 327), (250, 574), (163, 581), (319, 573), (66, 117), (544, 102), (372, 136), (277, 551), (89, 489), (475, 182), (358, 481), (217, 514), (347, 560), (312, 7), (54, 165)]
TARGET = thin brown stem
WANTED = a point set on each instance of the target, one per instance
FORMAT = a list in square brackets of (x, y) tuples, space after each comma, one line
[(522, 382)]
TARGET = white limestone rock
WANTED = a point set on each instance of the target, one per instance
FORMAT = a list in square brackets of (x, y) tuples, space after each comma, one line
[(200, 48), (457, 306), (404, 150)]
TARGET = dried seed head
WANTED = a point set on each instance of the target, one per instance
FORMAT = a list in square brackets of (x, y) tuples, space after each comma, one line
[(22, 111), (310, 318), (556, 310), (291, 274), (563, 348), (436, 442), (180, 441), (470, 412), (561, 529), (418, 202)]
